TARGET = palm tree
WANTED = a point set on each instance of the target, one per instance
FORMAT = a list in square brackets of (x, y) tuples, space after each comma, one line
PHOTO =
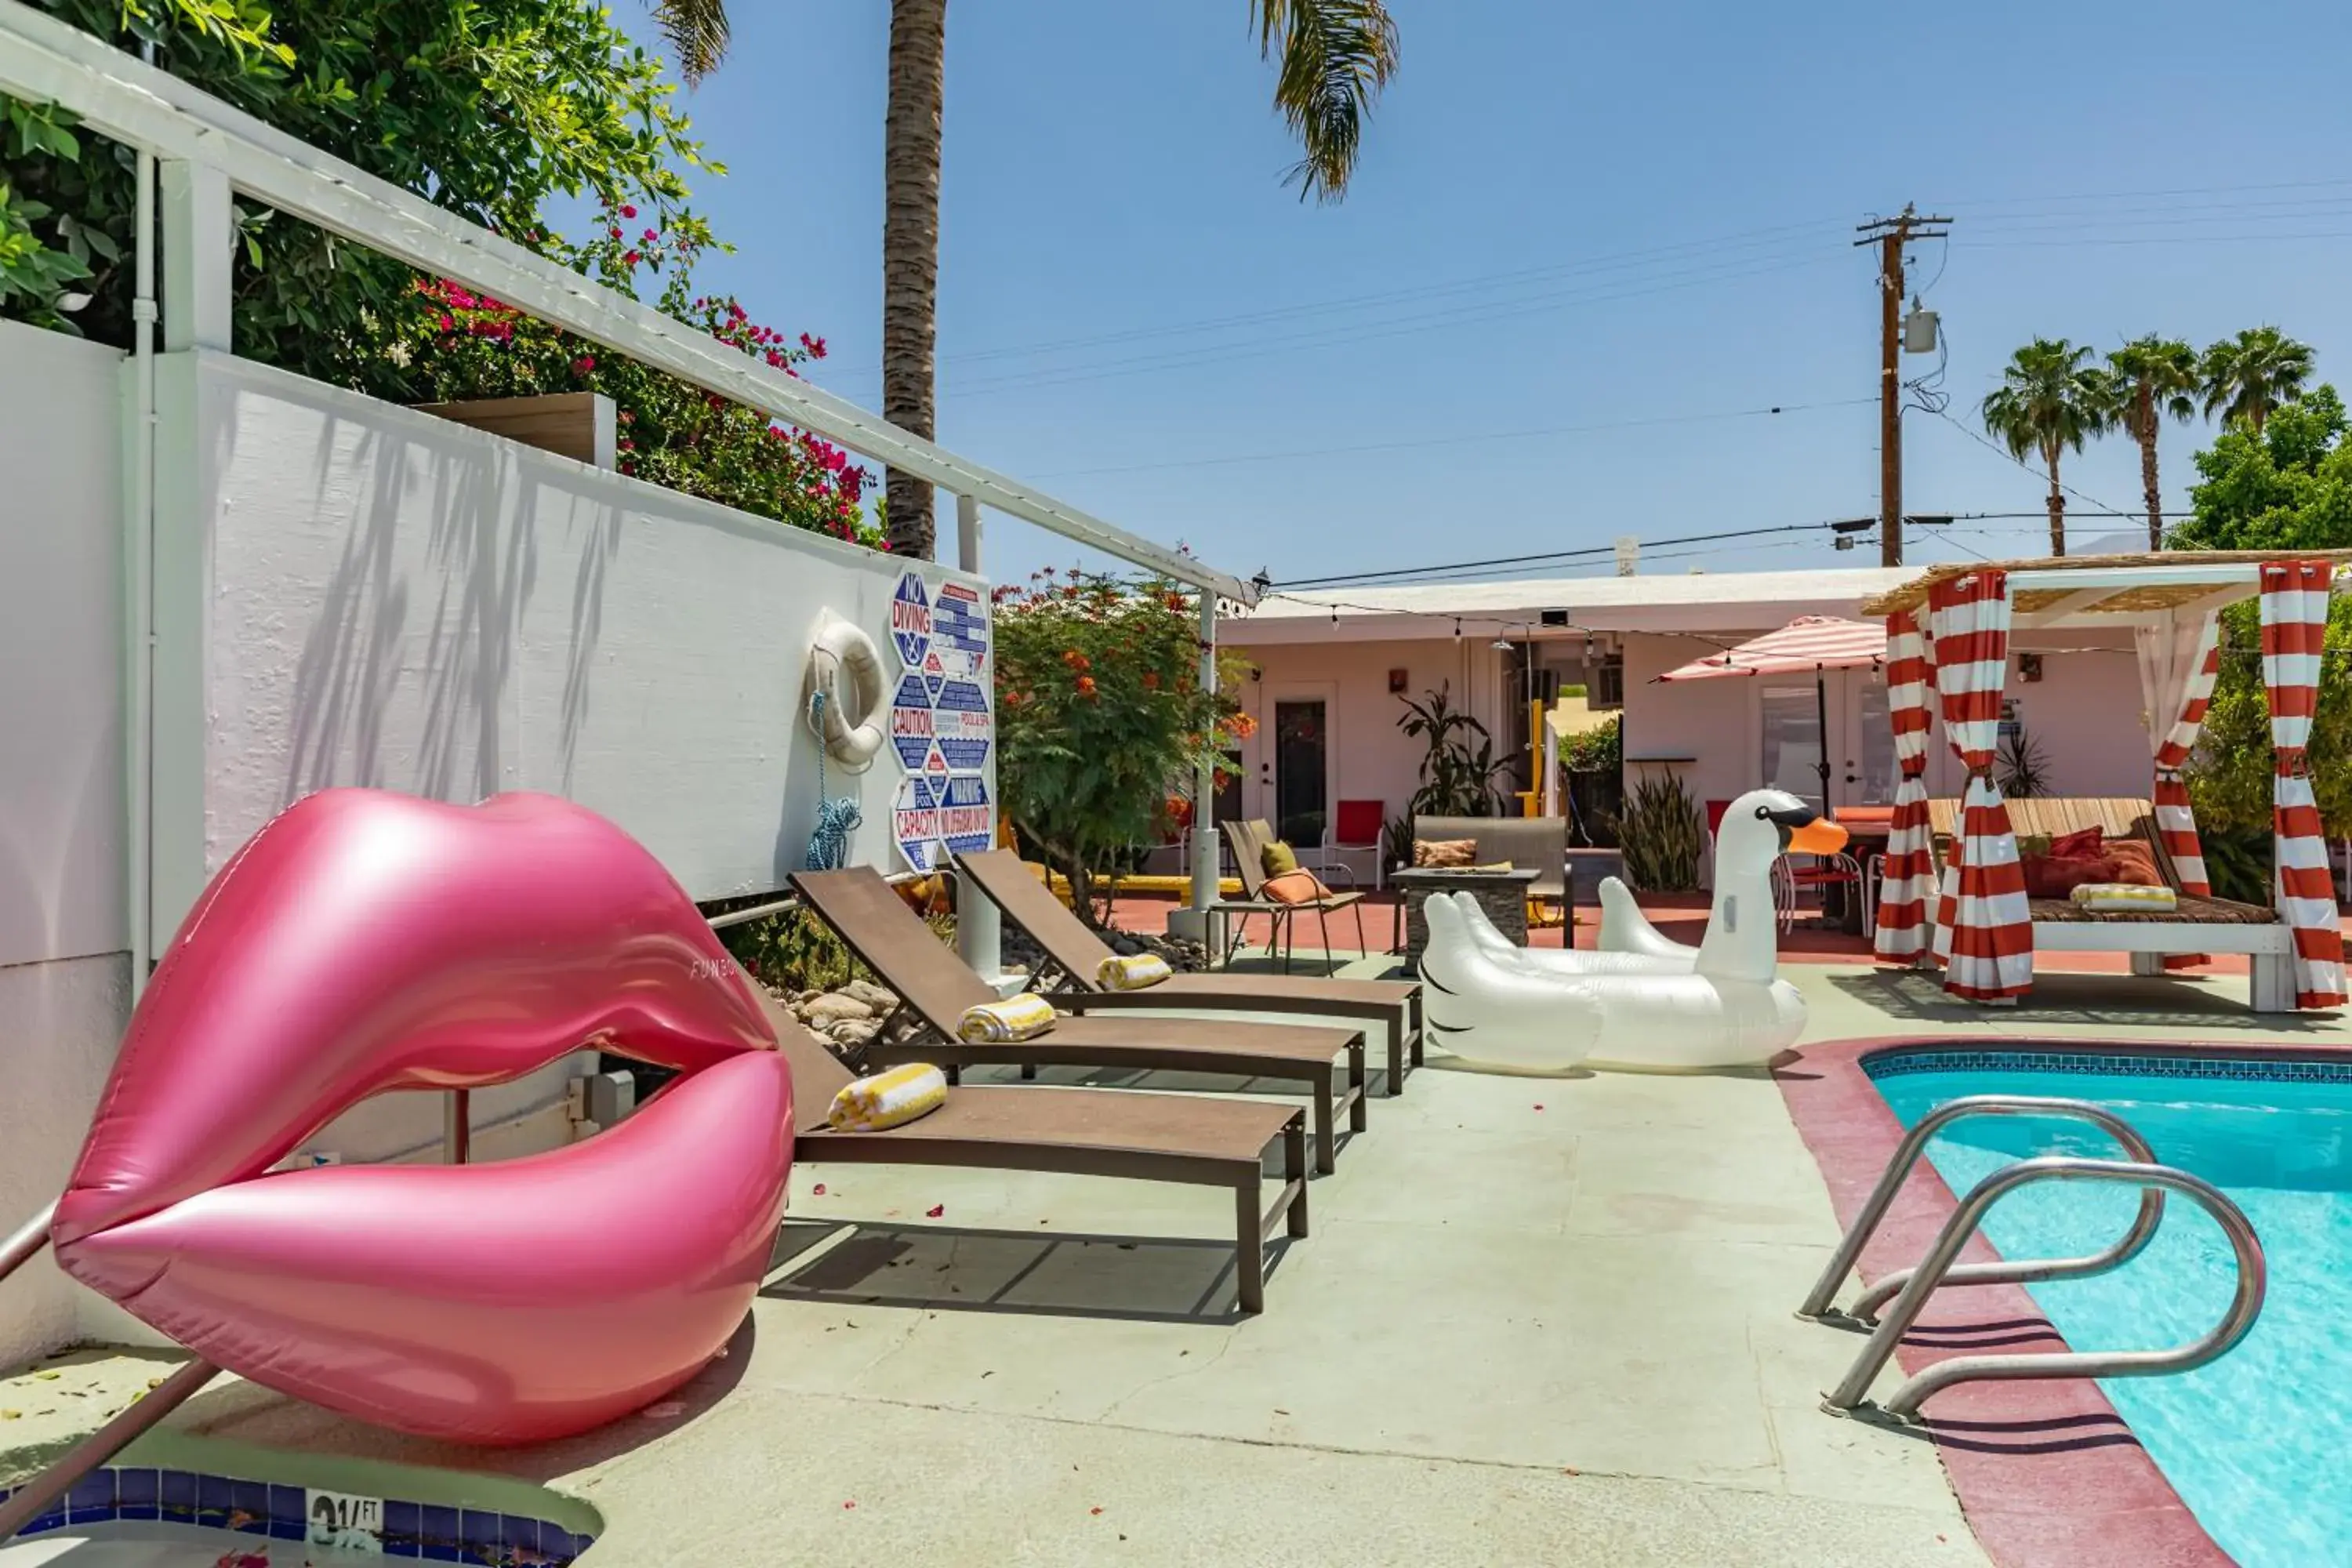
[(2048, 402), (2152, 379), (2250, 375), (1332, 57)]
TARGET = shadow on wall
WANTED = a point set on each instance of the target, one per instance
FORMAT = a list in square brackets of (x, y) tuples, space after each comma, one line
[(370, 637)]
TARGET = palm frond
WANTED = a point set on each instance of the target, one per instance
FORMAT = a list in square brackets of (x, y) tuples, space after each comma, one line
[(697, 32), (2048, 401), (1334, 56)]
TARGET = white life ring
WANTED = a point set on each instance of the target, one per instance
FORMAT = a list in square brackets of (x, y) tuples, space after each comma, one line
[(852, 731)]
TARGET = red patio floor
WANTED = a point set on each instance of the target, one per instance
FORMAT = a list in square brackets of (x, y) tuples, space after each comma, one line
[(1682, 915)]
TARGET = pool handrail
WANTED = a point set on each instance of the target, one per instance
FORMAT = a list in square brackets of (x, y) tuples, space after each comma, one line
[(1903, 1404), (1907, 1155)]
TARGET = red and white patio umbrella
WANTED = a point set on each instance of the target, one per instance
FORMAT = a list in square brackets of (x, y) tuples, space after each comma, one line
[(1810, 645)]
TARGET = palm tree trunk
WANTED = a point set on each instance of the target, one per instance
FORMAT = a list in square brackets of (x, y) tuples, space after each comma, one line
[(2057, 505), (910, 250), (2147, 468)]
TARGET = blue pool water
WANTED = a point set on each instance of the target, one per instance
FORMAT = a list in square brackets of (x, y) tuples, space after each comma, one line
[(2255, 1443)]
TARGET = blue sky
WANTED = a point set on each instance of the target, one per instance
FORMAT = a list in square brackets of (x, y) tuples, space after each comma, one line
[(1569, 217)]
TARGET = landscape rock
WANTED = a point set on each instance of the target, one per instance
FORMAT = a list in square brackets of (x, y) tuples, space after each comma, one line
[(881, 998), (853, 1031), (827, 1011)]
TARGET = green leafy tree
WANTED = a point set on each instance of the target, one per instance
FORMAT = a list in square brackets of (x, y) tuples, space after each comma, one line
[(2148, 381), (1100, 717), (2249, 376), (2286, 485), (1333, 58), (2048, 403), (490, 108)]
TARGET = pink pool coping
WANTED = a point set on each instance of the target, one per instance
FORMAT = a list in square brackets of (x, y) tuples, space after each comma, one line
[(2048, 1474)]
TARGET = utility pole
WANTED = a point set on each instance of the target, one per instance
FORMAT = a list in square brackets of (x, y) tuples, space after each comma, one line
[(1891, 234)]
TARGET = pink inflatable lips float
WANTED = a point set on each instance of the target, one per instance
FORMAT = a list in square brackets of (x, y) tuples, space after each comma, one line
[(365, 941)]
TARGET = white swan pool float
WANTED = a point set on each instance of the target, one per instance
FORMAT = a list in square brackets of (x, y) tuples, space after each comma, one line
[(1626, 929), (1500, 1005)]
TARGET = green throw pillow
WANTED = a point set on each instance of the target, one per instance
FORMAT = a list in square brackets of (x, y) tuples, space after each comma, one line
[(1278, 859)]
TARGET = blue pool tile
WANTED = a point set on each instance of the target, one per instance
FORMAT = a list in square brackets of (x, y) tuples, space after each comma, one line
[(93, 1497), (438, 1537), (214, 1500), (484, 1536), (520, 1533), (249, 1506), (178, 1494), (51, 1518), (288, 1519), (557, 1544), (137, 1494), (402, 1523)]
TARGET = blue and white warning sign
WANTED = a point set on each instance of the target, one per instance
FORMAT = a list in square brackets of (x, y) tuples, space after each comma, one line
[(967, 817), (962, 725), (910, 619), (915, 823), (911, 725), (959, 629)]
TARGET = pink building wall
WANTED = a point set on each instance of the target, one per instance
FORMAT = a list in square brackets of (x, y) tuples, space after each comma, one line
[(2084, 713)]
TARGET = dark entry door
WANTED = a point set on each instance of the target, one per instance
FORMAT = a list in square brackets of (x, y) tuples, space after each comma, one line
[(1301, 804)]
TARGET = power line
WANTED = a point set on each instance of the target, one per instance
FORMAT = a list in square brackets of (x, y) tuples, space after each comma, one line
[(1346, 578), (1456, 440), (2007, 456)]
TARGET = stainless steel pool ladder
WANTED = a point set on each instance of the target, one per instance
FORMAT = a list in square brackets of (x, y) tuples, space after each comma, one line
[(33, 1499), (1910, 1287)]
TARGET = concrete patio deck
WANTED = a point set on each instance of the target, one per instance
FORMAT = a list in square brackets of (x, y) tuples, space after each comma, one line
[(1537, 1320)]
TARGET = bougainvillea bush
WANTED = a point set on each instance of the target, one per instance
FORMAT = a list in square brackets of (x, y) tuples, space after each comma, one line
[(1100, 719), (444, 343)]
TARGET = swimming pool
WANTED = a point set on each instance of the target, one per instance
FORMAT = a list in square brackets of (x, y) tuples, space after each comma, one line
[(2254, 1442)]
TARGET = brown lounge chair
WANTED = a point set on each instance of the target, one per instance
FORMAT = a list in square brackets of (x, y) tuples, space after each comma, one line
[(1248, 841), (1075, 1133), (1078, 952), (937, 987)]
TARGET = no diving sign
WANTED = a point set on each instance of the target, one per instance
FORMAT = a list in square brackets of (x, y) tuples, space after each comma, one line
[(910, 619)]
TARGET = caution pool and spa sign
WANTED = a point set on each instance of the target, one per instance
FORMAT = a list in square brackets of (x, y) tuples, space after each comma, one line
[(943, 728)]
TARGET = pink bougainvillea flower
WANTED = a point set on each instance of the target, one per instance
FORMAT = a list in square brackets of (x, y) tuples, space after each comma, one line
[(632, 258), (628, 210), (584, 364)]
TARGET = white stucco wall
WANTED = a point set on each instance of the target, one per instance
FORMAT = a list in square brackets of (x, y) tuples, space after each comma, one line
[(348, 593), (64, 976)]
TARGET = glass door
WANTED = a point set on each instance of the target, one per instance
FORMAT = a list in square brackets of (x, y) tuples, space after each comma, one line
[(1301, 796), (1792, 741), (1869, 775)]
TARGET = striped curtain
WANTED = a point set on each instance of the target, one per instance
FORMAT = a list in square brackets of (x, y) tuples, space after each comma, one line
[(2178, 663), (1984, 930), (1908, 869), (2294, 626)]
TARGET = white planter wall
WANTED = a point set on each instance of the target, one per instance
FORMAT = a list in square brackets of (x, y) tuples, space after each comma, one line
[(348, 593)]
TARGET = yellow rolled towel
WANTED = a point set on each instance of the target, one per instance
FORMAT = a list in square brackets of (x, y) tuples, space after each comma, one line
[(1132, 971), (2124, 899), (889, 1099), (1018, 1018)]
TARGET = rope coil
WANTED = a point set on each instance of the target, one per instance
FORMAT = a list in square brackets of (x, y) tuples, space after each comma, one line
[(838, 818)]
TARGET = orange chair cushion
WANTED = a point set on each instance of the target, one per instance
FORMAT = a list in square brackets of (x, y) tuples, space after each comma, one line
[(1296, 887)]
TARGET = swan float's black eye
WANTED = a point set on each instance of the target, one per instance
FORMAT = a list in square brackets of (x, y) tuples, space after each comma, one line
[(1763, 812)]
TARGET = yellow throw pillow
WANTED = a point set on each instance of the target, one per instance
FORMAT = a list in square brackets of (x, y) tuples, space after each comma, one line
[(889, 1099), (2124, 899), (1278, 859), (1131, 971), (1021, 1017), (1444, 852)]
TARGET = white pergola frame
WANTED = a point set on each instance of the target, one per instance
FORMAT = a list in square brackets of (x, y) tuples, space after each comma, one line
[(197, 151)]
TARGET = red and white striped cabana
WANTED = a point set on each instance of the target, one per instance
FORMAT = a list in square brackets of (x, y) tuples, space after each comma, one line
[(1947, 648)]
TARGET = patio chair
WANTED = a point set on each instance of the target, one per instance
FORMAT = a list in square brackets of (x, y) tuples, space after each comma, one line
[(1077, 953), (936, 987), (1248, 841), (1357, 831), (1184, 1139)]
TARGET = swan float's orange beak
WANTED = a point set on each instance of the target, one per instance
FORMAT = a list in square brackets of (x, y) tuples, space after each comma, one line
[(1819, 837)]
